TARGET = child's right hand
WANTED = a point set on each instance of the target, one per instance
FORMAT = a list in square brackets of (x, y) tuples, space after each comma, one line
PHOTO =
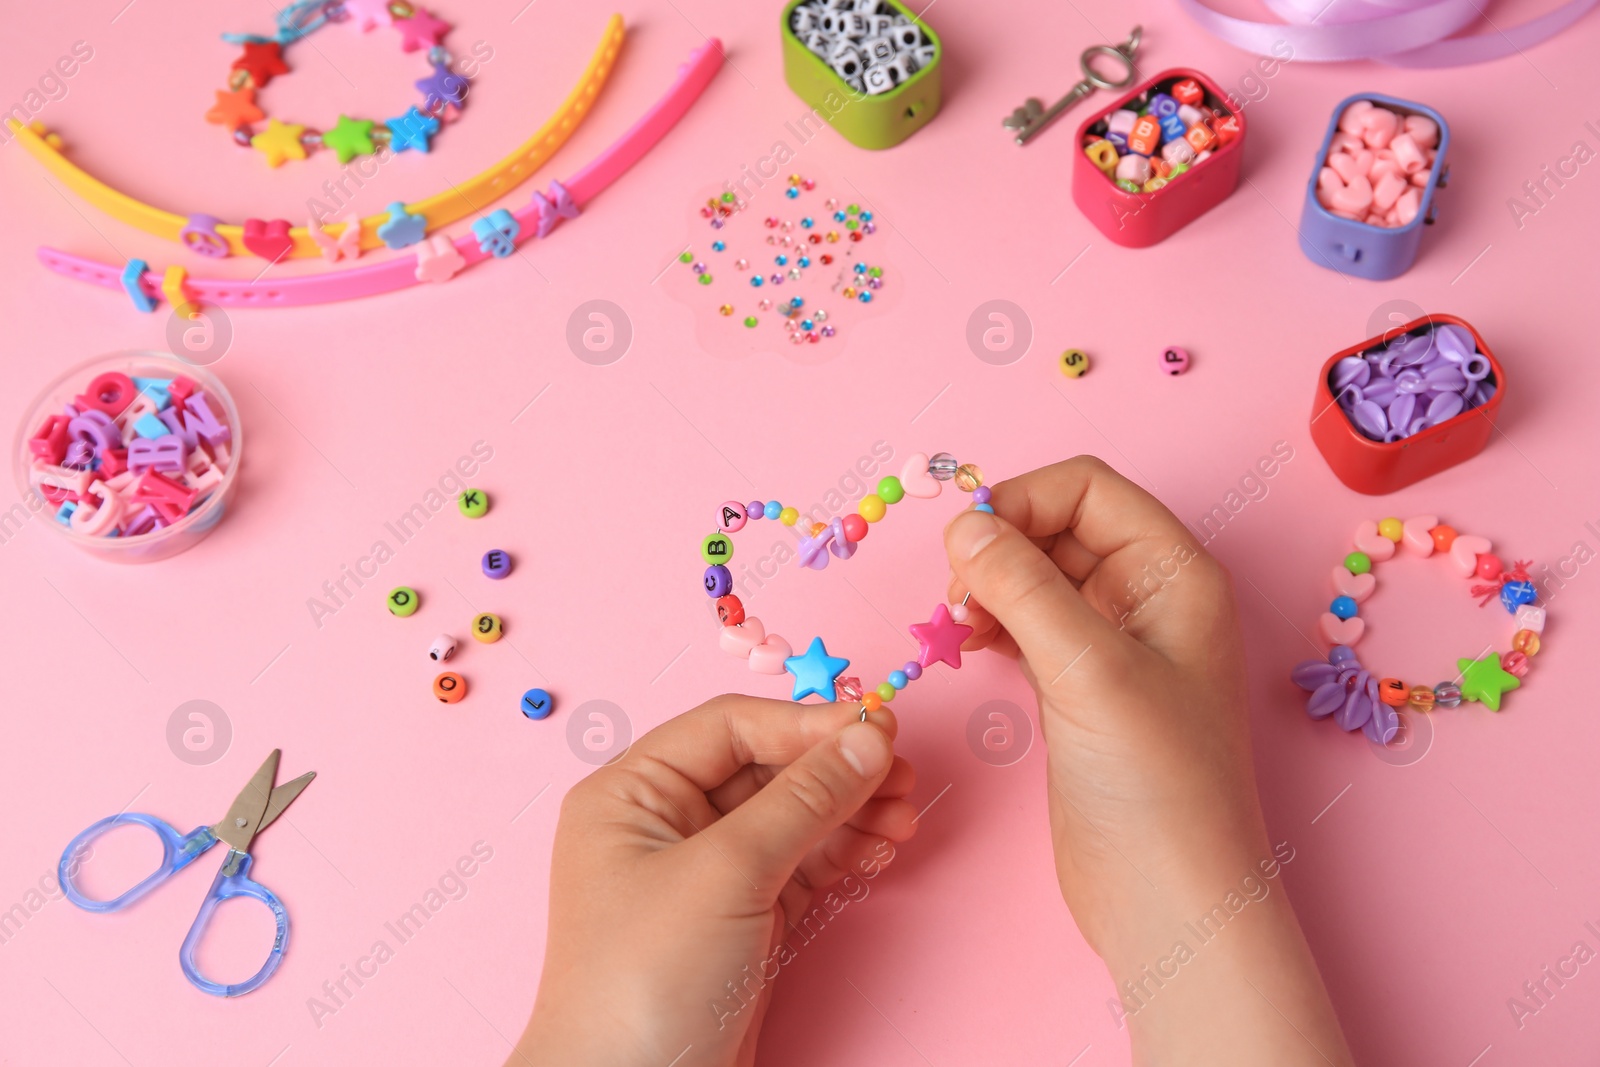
[(1128, 632)]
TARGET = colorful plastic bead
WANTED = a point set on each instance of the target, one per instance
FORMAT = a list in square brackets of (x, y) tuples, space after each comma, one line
[(450, 687), (1488, 567), (1525, 641), (1344, 607), (1358, 563), (942, 467), (730, 610), (496, 563), (1530, 617), (1514, 595), (899, 679), (1174, 360), (443, 647), (718, 581), (536, 704), (1422, 698), (872, 508), (890, 491), (402, 229), (1443, 537), (968, 477), (871, 702), (486, 627), (473, 503), (1074, 363), (772, 510), (717, 548), (855, 527), (789, 516), (403, 601), (732, 516), (1393, 692), (1515, 664), (1145, 135), (497, 234), (1393, 529), (885, 691), (1447, 695)]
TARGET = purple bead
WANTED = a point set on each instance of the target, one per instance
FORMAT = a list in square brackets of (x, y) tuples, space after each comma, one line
[(1381, 391), (718, 580), (1456, 343), (716, 224), (1351, 370), (95, 428), (1446, 378), (1370, 419), (1418, 424), (869, 227), (912, 669), (1325, 700), (1313, 674), (1411, 381), (698, 268), (496, 563), (1383, 725), (1342, 654), (1350, 396), (1403, 410), (982, 495), (1357, 708), (1475, 368), (1445, 406), (80, 454), (755, 509)]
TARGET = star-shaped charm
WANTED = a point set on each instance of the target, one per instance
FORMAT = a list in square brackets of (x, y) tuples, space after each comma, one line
[(815, 671), (1483, 680), (350, 138), (420, 31), (368, 13), (940, 638), (412, 130), (441, 88), (236, 108), (279, 141), (261, 60)]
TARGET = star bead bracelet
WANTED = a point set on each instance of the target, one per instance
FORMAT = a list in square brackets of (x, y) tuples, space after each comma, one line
[(443, 91), (816, 672), (1358, 700)]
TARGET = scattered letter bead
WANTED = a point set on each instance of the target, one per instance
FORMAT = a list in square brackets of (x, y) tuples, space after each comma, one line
[(1422, 698), (536, 704), (730, 610), (1358, 563), (1200, 138), (890, 491), (402, 600), (718, 580), (1188, 91), (872, 507), (496, 563), (450, 687), (1343, 606), (1393, 529), (474, 503), (1530, 617), (731, 517), (443, 647), (1526, 642), (1393, 692), (1447, 695), (1145, 136), (486, 628), (1103, 154), (1073, 364), (1174, 360), (717, 548)]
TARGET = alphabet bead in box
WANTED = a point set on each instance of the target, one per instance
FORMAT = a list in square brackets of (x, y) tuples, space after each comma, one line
[(869, 68), (1160, 156)]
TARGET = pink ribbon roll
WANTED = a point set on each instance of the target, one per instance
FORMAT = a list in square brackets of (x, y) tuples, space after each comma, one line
[(1401, 33)]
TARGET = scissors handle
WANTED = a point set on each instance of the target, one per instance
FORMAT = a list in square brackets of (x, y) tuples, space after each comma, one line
[(233, 880), (178, 851)]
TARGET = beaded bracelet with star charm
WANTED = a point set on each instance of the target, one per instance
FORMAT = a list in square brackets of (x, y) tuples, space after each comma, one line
[(815, 671)]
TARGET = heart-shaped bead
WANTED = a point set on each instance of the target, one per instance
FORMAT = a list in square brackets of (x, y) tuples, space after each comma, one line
[(1337, 631), (1464, 553), (1377, 547), (915, 479), (269, 240), (1355, 586), (739, 640), (768, 657), (1419, 534)]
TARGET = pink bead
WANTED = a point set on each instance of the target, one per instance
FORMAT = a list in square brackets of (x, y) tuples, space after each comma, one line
[(1381, 125), (1385, 166), (1530, 617), (1420, 178), (1423, 130), (741, 640), (1515, 664), (731, 516), (1365, 158), (1344, 142), (1355, 197), (1388, 190), (1345, 166), (1337, 631), (768, 657), (1408, 205), (1328, 180), (1408, 154), (960, 612), (1351, 121)]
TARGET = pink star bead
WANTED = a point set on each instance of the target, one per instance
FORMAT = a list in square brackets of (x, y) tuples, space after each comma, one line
[(940, 638), (368, 13), (420, 31)]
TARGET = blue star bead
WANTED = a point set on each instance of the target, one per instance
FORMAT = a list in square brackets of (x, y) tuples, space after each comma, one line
[(403, 228), (412, 130), (815, 671), (440, 88)]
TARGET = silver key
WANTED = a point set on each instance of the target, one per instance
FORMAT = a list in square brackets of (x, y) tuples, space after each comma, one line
[(1032, 117)]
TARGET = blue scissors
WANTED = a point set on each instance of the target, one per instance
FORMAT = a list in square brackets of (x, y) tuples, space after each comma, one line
[(254, 809)]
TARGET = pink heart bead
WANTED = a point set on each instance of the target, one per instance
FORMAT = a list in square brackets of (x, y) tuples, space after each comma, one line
[(1422, 130), (915, 479), (1328, 179), (1408, 205), (1388, 189), (1418, 534), (1373, 543), (1379, 127), (1337, 631), (1355, 197), (739, 640), (1344, 142), (1355, 586), (1352, 120), (1344, 165), (1464, 553), (768, 657)]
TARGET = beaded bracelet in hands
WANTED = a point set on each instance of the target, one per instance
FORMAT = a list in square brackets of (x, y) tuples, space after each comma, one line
[(816, 673), (1357, 700), (443, 91)]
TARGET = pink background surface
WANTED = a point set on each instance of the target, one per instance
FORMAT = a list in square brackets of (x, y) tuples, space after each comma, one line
[(1430, 890)]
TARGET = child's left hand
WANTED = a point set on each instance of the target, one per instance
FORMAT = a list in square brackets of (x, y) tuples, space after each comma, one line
[(686, 862)]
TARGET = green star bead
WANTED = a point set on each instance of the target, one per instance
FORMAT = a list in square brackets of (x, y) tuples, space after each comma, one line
[(350, 138), (1358, 563), (1483, 680)]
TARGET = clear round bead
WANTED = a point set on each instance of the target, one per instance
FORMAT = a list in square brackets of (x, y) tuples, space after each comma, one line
[(440, 56), (968, 477), (943, 466)]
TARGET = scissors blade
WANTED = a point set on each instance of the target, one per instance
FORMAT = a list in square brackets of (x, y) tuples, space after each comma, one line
[(283, 796), (238, 828)]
